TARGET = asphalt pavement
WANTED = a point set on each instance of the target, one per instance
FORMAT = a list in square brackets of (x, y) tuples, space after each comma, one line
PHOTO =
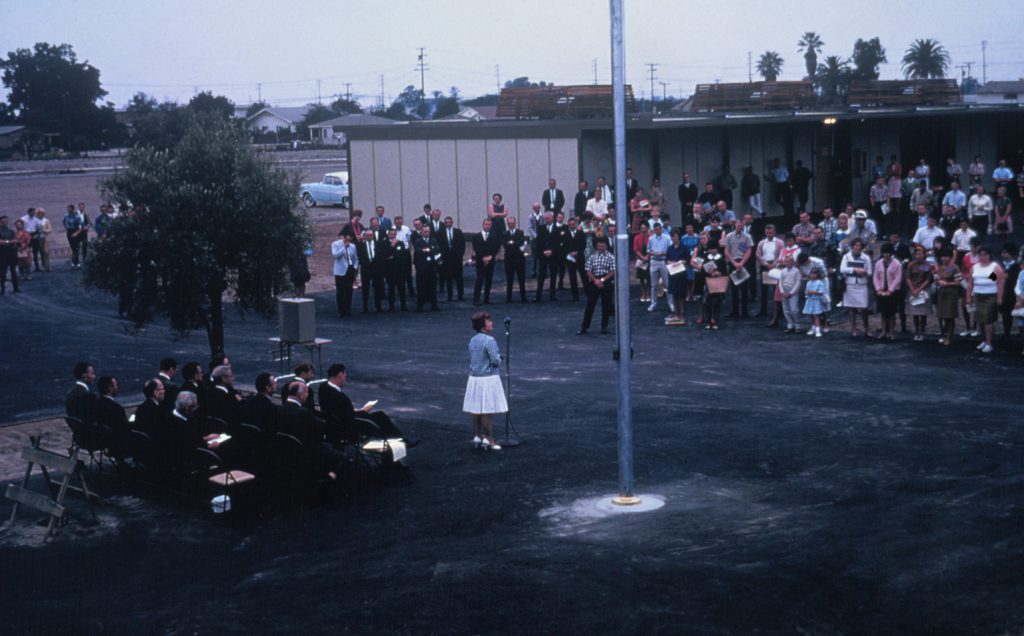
[(817, 486)]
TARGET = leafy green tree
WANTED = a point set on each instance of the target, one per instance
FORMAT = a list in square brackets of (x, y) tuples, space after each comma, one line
[(342, 106), (49, 89), (490, 99), (218, 106), (316, 114), (524, 82), (810, 43), (218, 223), (832, 79), (867, 56), (769, 65), (925, 59)]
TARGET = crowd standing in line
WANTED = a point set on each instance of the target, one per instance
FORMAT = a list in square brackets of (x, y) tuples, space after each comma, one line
[(889, 259)]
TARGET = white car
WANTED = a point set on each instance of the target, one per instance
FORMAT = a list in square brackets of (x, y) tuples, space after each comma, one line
[(332, 190)]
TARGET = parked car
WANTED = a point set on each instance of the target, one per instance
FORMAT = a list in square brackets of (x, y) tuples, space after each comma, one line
[(332, 190)]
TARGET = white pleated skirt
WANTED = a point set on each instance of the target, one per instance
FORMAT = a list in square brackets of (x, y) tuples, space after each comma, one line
[(484, 395)]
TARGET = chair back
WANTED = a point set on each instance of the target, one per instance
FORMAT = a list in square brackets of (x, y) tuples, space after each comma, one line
[(82, 435)]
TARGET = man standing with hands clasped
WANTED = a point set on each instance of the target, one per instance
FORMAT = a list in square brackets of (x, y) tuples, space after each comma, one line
[(600, 273), (346, 263), (485, 248)]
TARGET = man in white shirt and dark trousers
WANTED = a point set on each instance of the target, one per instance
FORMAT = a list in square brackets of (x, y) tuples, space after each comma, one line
[(979, 209)]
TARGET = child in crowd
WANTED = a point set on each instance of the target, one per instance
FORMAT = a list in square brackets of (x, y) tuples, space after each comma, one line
[(789, 289), (814, 304)]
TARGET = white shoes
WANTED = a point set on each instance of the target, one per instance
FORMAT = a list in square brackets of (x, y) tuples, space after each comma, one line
[(985, 348), (981, 347), (653, 306), (812, 331), (477, 440)]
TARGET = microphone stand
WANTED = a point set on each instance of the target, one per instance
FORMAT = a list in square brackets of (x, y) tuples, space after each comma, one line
[(508, 442)]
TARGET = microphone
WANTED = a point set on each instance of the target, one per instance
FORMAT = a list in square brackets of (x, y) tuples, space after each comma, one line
[(508, 322)]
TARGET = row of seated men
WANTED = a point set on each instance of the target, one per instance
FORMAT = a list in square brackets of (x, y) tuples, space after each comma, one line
[(179, 419)]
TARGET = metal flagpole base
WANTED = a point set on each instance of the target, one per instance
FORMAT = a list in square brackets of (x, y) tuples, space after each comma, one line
[(626, 500), (508, 442)]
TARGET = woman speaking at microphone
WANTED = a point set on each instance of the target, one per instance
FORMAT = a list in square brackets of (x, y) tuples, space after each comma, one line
[(485, 395)]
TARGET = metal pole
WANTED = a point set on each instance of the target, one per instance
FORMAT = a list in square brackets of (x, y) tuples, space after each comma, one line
[(623, 347)]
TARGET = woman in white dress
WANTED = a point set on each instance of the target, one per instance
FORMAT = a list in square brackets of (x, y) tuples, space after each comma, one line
[(485, 394), (856, 269)]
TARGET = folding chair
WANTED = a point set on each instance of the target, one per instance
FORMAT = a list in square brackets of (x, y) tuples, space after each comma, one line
[(83, 437), (250, 447), (232, 485)]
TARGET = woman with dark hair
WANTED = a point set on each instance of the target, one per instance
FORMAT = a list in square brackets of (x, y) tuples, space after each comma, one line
[(947, 301), (717, 282), (485, 395), (985, 292), (856, 270), (677, 254), (919, 277), (888, 279), (496, 212)]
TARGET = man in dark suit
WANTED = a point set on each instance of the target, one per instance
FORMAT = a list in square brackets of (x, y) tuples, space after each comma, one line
[(305, 426), (579, 202), (222, 401), (181, 433), (547, 266), (424, 218), (371, 271), (81, 401), (485, 250), (150, 414), (560, 233), (260, 409), (553, 199), (397, 261), (452, 243), (428, 259), (573, 245), (632, 185), (341, 414), (168, 369), (303, 373), (514, 243), (687, 195), (110, 413)]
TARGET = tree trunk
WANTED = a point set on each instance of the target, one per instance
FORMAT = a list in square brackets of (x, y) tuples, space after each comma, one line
[(811, 62), (215, 322)]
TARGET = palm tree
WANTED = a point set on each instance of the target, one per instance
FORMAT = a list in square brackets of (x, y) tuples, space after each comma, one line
[(832, 78), (769, 65), (925, 59), (811, 43)]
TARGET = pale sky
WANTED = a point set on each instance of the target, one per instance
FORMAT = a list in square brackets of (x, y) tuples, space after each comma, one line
[(172, 49)]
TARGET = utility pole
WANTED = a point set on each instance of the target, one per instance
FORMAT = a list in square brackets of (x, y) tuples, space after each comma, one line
[(318, 92), (259, 93), (382, 91), (497, 76), (422, 66), (750, 67), (651, 67), (348, 91), (984, 65), (664, 92), (595, 71)]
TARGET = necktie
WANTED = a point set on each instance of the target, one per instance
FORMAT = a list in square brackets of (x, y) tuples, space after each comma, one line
[(485, 237), (449, 237), (371, 250)]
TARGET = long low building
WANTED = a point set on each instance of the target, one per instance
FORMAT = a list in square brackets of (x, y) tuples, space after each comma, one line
[(457, 165)]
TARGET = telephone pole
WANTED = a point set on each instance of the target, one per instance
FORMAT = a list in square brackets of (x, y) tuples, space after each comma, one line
[(664, 91), (259, 93), (595, 71), (318, 92), (651, 68), (422, 66), (497, 76), (984, 65), (382, 91), (348, 91), (750, 67)]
